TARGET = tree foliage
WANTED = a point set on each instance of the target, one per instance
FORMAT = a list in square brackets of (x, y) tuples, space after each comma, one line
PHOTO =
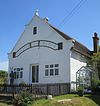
[(3, 77), (3, 73), (96, 57), (95, 61), (24, 98)]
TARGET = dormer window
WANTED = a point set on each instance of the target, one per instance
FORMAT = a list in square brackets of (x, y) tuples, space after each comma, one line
[(34, 30)]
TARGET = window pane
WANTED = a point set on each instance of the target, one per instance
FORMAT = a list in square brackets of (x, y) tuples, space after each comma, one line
[(18, 69), (21, 74), (51, 66), (46, 66), (56, 65), (51, 72), (35, 30), (60, 46), (14, 69), (33, 74), (46, 72), (21, 68), (37, 73), (14, 54), (17, 76), (56, 72)]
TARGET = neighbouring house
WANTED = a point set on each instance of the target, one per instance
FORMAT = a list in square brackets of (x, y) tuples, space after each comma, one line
[(45, 55)]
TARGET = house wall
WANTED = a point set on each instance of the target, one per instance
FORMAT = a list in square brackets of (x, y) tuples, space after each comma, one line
[(76, 62), (42, 55)]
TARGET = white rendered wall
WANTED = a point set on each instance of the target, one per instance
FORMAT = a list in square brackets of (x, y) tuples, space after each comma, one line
[(42, 56), (76, 62)]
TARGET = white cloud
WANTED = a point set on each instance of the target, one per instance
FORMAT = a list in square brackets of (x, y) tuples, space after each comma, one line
[(4, 65)]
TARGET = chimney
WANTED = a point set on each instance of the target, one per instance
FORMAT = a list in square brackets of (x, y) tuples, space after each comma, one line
[(95, 43)]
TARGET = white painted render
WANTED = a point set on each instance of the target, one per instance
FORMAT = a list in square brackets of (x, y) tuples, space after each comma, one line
[(69, 61), (42, 55), (76, 62)]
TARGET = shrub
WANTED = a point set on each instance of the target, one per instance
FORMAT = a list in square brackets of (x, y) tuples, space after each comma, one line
[(3, 77), (23, 99), (95, 81), (80, 90), (96, 86), (96, 90), (22, 83)]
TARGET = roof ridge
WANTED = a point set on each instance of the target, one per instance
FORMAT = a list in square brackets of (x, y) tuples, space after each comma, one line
[(60, 31), (77, 45)]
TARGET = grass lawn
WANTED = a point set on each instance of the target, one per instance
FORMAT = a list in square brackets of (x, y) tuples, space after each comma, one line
[(86, 100), (5, 104)]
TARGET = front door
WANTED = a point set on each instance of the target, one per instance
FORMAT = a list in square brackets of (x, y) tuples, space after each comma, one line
[(35, 73)]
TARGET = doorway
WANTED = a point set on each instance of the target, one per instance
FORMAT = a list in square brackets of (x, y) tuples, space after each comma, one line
[(35, 73)]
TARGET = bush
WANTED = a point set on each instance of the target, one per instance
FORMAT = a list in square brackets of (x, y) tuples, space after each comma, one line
[(23, 99), (3, 77), (96, 90), (22, 83), (95, 82), (81, 91), (96, 86)]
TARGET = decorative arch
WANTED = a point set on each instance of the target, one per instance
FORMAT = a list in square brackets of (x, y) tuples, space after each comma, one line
[(37, 43)]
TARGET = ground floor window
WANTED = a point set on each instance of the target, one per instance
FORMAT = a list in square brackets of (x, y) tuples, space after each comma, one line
[(51, 72), (51, 69), (56, 71), (18, 73), (46, 72)]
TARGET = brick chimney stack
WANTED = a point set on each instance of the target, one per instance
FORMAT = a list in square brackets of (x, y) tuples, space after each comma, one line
[(95, 43)]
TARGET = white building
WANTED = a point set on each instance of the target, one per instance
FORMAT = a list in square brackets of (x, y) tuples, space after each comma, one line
[(44, 54)]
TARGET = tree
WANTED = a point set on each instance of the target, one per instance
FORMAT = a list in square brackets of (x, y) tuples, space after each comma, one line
[(3, 77), (3, 73), (95, 62)]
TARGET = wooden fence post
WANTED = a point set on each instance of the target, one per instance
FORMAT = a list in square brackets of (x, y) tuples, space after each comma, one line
[(59, 89), (6, 88), (47, 89), (31, 88), (69, 87), (13, 90)]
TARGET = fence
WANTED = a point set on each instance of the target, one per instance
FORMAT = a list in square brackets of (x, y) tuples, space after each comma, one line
[(36, 89)]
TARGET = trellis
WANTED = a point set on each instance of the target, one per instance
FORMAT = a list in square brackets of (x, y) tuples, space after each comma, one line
[(83, 77)]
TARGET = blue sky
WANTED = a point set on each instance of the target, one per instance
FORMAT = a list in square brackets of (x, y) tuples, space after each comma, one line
[(14, 14)]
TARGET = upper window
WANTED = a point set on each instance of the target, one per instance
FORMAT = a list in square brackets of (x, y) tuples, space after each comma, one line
[(34, 30), (14, 54), (60, 45)]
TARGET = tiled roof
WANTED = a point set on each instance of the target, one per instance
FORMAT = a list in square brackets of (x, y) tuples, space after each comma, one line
[(78, 47)]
